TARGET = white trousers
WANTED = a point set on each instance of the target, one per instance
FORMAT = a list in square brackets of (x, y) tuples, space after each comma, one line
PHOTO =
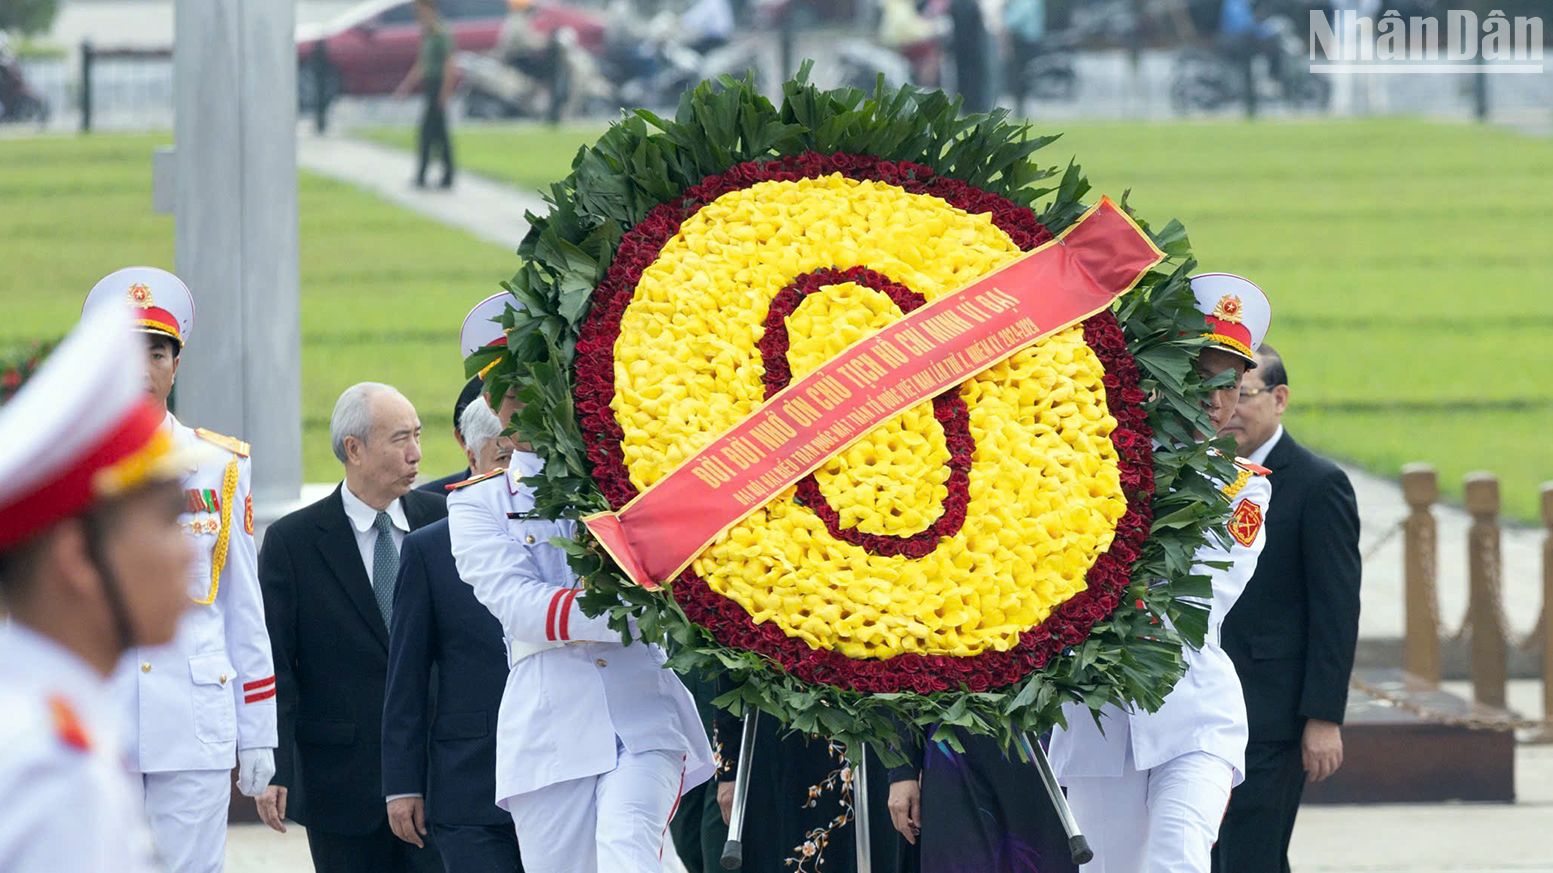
[(1163, 820), (612, 823), (187, 813)]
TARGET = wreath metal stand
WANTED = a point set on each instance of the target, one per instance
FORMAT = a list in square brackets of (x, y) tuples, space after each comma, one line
[(733, 850)]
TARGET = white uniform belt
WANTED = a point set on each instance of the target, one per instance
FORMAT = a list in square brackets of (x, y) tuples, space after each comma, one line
[(517, 650)]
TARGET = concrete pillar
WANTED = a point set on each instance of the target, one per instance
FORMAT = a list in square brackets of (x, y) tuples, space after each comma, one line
[(1485, 609), (235, 208), (1421, 641)]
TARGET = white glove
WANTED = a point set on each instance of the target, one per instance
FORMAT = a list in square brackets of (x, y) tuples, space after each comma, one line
[(255, 768)]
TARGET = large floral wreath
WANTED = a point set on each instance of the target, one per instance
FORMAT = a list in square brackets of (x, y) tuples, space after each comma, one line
[(976, 560)]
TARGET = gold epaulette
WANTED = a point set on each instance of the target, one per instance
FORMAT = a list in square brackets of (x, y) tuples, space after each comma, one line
[(1257, 469), (480, 478), (1247, 470), (231, 444), (1238, 485)]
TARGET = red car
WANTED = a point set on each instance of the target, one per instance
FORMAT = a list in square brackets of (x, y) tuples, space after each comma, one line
[(370, 47)]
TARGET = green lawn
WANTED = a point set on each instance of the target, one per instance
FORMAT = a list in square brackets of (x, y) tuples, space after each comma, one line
[(1406, 259), (383, 291), (1408, 262), (530, 156)]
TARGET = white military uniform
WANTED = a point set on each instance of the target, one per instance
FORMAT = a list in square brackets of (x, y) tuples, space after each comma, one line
[(210, 692), (73, 807), (195, 703), (1150, 791), (595, 740)]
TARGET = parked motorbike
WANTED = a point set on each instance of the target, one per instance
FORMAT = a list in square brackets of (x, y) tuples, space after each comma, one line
[(19, 103), (1209, 78), (862, 62), (564, 83), (648, 64)]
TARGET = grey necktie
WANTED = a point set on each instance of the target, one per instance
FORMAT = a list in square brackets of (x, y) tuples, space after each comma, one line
[(385, 565)]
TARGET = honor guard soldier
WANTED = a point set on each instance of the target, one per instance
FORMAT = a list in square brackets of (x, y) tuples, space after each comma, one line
[(92, 563), (1150, 790), (595, 740), (208, 698)]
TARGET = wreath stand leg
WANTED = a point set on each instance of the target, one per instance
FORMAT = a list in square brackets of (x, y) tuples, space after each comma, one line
[(733, 850), (860, 831), (1078, 845)]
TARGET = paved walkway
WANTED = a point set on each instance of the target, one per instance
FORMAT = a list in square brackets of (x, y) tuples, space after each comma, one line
[(1437, 838), (488, 210)]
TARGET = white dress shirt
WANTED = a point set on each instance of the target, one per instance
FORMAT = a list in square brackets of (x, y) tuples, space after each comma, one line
[(362, 518), (1259, 457)]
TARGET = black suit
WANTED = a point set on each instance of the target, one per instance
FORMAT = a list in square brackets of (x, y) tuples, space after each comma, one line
[(1292, 638), (331, 659), (447, 667)]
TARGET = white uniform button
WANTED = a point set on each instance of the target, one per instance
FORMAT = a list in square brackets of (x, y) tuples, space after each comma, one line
[(601, 662), (529, 539), (222, 679), (145, 667)]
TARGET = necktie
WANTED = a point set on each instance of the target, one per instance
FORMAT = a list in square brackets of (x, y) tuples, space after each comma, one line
[(385, 565)]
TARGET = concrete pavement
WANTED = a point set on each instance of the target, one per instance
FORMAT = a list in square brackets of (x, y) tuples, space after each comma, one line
[(488, 210), (1442, 838)]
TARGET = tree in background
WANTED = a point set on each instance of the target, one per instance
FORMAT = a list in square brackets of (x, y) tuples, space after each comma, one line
[(27, 17)]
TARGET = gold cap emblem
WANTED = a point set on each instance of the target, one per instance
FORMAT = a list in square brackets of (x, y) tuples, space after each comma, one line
[(140, 295), (1228, 309)]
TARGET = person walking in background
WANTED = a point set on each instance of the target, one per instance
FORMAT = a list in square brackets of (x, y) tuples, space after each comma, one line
[(328, 573), (434, 72), (93, 562), (969, 45), (207, 699), (1292, 636), (1025, 23), (447, 665)]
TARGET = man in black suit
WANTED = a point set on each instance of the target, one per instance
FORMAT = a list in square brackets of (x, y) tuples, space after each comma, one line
[(447, 666), (470, 391), (328, 572), (1292, 635)]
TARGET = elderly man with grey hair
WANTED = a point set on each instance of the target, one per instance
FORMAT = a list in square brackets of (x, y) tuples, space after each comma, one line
[(328, 573), (447, 666)]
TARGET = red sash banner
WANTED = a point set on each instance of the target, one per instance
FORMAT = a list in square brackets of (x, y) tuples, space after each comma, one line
[(1100, 257)]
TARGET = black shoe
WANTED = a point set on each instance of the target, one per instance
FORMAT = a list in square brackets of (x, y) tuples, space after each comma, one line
[(419, 183), (447, 182)]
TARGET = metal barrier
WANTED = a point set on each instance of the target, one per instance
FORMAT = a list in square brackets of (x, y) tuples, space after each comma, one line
[(132, 83)]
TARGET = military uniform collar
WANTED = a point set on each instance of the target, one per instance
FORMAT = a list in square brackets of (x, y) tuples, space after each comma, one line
[(47, 661), (522, 464)]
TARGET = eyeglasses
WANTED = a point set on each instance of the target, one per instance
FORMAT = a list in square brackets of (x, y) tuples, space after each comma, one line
[(1248, 393)]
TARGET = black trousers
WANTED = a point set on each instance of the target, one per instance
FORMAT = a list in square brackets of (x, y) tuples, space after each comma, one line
[(698, 830), (1254, 837), (434, 134), (377, 852), (478, 848)]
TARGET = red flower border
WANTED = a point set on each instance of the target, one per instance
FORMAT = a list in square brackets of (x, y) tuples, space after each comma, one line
[(729, 624), (953, 417)]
